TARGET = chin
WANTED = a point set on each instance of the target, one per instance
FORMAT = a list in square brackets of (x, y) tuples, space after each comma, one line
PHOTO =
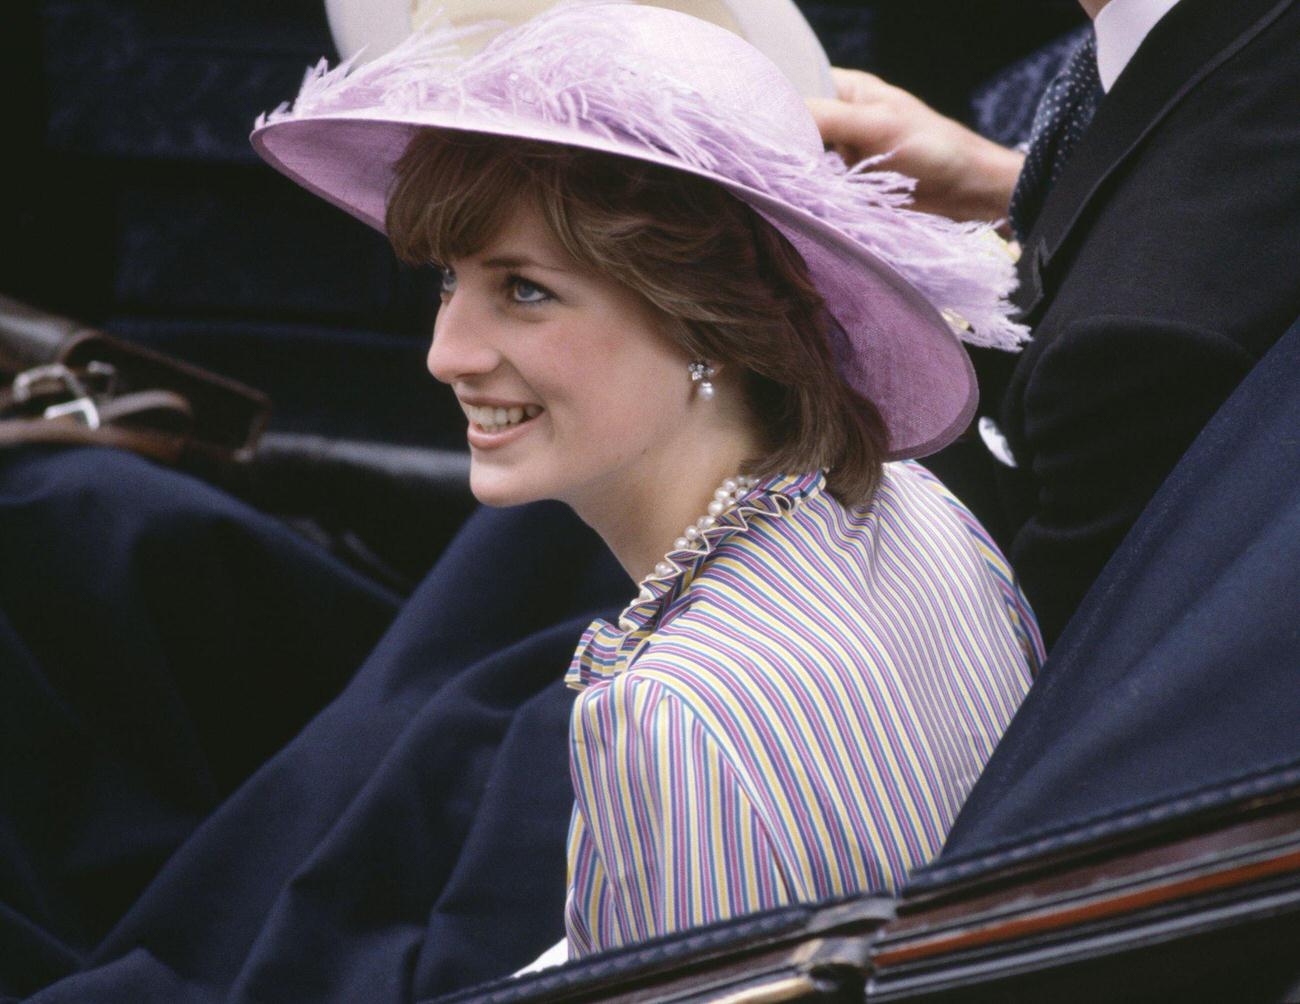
[(498, 492)]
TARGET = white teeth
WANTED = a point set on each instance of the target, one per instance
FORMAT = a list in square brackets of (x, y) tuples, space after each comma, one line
[(491, 419)]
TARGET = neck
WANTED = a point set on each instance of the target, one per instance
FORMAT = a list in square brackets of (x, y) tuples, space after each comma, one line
[(650, 507), (1093, 7)]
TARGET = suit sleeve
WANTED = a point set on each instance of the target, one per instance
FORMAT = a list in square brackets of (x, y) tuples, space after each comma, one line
[(1109, 407), (677, 841)]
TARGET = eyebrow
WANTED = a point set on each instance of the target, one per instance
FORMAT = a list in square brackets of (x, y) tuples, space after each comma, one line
[(519, 261)]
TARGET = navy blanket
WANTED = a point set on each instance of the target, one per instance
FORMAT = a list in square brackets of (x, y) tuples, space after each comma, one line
[(204, 798), (1180, 673)]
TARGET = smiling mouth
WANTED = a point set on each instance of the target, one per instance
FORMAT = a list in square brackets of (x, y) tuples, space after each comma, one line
[(490, 419)]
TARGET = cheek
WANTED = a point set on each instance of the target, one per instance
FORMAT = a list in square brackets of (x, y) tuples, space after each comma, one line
[(564, 363), (639, 406), (613, 384)]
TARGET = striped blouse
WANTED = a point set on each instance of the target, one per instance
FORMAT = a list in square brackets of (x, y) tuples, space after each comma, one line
[(796, 712)]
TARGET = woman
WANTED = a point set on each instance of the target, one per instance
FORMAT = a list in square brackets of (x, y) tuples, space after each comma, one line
[(665, 306)]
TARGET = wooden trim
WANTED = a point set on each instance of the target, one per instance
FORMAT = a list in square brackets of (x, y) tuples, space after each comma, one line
[(1064, 915)]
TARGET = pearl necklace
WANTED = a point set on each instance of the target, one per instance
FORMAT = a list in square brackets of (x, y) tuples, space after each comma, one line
[(723, 499)]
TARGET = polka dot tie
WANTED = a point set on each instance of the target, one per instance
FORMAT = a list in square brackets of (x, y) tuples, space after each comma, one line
[(1066, 108)]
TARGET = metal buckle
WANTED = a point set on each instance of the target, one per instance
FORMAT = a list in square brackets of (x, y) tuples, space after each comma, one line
[(105, 372), (26, 380), (82, 406), (82, 403)]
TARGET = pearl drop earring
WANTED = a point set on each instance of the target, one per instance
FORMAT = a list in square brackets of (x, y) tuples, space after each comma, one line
[(702, 374)]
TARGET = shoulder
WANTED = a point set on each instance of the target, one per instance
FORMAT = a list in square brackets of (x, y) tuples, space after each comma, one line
[(1193, 228), (838, 591), (649, 711), (821, 545), (1170, 204)]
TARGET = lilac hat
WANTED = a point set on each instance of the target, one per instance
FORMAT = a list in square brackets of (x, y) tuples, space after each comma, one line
[(667, 88)]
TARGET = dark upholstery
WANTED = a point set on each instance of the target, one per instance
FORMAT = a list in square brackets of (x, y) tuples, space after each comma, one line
[(1177, 678)]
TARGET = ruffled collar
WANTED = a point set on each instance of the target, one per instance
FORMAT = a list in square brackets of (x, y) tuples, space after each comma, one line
[(608, 649)]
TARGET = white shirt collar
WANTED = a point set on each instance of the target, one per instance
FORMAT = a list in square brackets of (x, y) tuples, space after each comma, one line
[(1121, 26)]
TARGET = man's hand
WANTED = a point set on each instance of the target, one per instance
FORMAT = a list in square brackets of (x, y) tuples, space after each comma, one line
[(959, 173)]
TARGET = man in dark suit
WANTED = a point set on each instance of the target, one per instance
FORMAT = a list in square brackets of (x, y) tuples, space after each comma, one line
[(1159, 267)]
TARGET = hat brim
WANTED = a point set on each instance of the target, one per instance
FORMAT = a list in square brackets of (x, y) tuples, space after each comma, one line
[(906, 360)]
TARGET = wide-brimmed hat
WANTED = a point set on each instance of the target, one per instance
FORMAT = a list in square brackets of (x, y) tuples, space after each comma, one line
[(663, 87)]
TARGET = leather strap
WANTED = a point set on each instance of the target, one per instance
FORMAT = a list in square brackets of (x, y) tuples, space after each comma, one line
[(141, 404), (160, 446), (73, 385)]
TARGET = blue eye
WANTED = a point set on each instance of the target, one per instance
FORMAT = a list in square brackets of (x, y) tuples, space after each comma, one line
[(525, 292), (447, 284)]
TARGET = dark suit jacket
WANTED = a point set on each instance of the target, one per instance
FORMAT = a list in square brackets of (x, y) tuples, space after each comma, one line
[(1165, 262)]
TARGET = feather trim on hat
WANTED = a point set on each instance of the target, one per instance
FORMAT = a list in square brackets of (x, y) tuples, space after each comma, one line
[(570, 68)]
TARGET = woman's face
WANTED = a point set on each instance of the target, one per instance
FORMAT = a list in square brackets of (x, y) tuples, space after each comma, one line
[(571, 387)]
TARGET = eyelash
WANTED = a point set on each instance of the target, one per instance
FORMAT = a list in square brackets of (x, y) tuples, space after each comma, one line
[(511, 283)]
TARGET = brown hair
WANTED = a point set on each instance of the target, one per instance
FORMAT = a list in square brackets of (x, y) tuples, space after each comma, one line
[(730, 287)]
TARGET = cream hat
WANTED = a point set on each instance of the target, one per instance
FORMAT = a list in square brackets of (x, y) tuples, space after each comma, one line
[(775, 28)]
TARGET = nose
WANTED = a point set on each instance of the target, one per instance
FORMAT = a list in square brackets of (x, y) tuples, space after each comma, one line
[(461, 346)]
